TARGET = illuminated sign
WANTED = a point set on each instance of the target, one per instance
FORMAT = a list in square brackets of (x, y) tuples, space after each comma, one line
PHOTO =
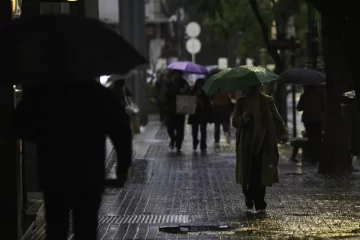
[(16, 8)]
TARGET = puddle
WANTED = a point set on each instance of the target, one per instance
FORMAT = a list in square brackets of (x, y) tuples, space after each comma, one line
[(191, 229)]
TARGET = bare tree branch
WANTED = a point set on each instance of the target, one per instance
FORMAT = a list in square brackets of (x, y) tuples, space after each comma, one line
[(265, 32)]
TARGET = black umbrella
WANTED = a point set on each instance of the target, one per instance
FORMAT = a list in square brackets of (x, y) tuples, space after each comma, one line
[(303, 76), (49, 47)]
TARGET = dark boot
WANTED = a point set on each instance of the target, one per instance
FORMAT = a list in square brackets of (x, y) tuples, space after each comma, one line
[(203, 146), (195, 144), (172, 145)]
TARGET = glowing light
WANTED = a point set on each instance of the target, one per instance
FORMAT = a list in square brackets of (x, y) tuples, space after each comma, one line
[(104, 79)]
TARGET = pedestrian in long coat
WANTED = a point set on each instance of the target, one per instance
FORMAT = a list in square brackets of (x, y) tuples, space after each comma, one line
[(259, 129)]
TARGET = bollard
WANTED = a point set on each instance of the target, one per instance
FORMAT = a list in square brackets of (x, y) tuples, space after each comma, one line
[(350, 116)]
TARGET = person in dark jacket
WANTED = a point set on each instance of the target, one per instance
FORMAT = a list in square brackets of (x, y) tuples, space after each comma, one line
[(202, 115), (69, 124), (175, 122), (312, 103), (222, 107)]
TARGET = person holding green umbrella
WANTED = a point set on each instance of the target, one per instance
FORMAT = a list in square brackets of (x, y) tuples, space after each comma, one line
[(259, 129)]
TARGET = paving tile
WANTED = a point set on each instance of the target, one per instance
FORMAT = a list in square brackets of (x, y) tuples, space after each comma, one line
[(198, 189)]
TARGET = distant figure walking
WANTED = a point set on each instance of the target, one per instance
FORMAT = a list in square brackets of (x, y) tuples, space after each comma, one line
[(175, 122), (202, 116), (259, 129), (221, 104), (312, 102), (69, 123), (222, 107)]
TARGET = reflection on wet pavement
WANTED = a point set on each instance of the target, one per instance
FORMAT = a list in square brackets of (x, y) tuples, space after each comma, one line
[(189, 195)]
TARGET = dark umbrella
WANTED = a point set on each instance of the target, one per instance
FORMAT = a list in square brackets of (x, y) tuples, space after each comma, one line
[(303, 76), (213, 72), (47, 47)]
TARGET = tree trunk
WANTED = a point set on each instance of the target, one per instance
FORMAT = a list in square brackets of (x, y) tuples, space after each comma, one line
[(336, 157), (280, 94), (347, 12)]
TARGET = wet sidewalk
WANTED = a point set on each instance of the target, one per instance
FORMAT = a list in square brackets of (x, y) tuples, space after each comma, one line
[(198, 190)]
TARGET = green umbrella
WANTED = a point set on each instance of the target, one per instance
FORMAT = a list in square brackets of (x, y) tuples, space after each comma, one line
[(231, 79)]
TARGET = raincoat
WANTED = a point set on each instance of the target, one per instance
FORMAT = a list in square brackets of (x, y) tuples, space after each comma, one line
[(274, 131)]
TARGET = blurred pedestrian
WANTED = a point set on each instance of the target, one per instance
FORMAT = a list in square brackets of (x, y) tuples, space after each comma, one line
[(222, 108), (160, 94), (202, 116), (175, 122), (259, 129), (312, 102), (69, 124)]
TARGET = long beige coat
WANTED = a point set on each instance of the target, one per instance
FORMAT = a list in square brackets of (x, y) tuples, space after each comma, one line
[(275, 131)]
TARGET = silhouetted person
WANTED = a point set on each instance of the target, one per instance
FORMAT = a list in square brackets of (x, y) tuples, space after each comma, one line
[(202, 116), (222, 107), (259, 129), (312, 103), (69, 123), (175, 122)]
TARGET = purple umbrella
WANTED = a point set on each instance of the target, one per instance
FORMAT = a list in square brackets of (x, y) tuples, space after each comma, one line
[(188, 67)]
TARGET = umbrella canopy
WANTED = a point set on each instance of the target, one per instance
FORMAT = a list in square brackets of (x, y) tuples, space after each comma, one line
[(231, 79), (46, 47), (213, 71), (188, 67), (303, 76)]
